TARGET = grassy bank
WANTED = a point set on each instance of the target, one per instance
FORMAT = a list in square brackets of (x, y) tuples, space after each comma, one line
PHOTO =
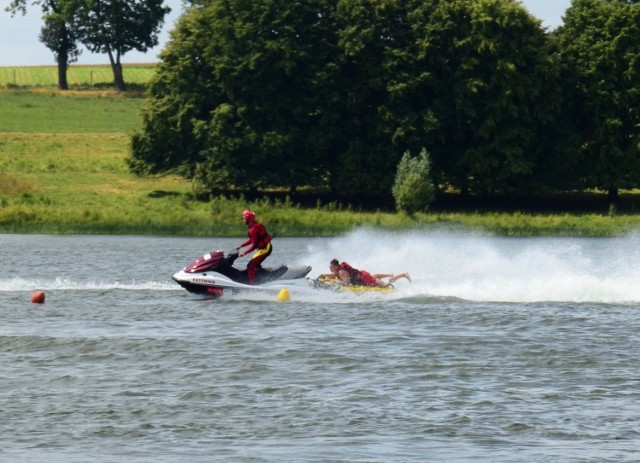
[(79, 183), (63, 170)]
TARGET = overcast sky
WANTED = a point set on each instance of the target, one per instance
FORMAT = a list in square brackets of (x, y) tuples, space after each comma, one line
[(19, 44)]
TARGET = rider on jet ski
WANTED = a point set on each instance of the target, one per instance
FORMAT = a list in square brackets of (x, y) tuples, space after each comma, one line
[(258, 239)]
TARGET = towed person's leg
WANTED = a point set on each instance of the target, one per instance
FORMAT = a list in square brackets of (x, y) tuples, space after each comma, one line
[(401, 275), (382, 275)]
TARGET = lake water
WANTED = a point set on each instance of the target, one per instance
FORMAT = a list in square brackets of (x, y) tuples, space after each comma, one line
[(501, 350)]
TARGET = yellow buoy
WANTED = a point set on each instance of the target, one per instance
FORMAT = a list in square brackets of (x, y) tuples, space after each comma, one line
[(283, 295)]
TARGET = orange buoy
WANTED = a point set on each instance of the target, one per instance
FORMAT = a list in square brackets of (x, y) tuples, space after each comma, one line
[(37, 297)]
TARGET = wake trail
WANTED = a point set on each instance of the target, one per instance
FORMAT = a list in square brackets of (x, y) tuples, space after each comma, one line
[(63, 284)]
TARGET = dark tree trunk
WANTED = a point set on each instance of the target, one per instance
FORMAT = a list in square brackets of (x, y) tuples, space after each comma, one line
[(62, 72), (63, 59), (118, 77)]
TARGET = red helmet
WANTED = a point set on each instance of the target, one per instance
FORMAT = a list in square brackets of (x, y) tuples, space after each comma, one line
[(249, 216)]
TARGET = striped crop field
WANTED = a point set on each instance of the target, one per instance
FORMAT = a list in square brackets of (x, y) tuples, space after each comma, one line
[(77, 75)]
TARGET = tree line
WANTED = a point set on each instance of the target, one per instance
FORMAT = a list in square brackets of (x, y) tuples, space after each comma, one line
[(113, 27), (331, 94)]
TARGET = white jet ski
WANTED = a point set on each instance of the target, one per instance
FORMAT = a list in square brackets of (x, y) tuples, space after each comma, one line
[(215, 275)]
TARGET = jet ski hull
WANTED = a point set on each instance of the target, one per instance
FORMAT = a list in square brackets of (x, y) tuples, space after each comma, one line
[(213, 274), (214, 284)]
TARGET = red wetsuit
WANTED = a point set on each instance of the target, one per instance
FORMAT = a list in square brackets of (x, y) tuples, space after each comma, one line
[(358, 277), (258, 239)]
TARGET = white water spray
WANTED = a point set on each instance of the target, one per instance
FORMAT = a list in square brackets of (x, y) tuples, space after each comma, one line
[(485, 268)]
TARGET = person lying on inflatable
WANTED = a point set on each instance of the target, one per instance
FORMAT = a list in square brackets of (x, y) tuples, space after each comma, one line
[(345, 274)]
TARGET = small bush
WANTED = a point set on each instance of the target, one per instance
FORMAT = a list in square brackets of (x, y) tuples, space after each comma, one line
[(413, 189)]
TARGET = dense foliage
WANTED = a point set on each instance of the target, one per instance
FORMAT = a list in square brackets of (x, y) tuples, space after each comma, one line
[(330, 94), (601, 42), (492, 94)]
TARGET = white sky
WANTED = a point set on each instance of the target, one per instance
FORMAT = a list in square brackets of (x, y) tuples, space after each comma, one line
[(19, 44)]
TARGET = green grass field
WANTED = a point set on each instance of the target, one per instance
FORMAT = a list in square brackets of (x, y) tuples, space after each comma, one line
[(53, 111), (77, 75), (63, 170)]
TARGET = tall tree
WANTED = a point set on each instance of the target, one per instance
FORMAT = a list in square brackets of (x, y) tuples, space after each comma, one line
[(487, 66), (240, 98), (601, 41), (57, 33), (116, 27)]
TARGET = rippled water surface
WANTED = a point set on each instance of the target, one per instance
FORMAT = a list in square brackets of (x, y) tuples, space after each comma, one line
[(500, 350)]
